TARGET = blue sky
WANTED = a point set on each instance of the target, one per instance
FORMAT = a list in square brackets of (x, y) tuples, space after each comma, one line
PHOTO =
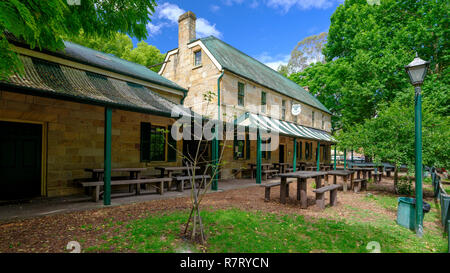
[(267, 30)]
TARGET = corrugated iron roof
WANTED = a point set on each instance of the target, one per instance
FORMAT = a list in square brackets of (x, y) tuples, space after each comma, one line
[(237, 62), (60, 81)]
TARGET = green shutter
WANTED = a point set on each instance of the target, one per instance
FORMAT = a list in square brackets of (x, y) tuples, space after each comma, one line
[(235, 145), (145, 141), (247, 144), (172, 147), (300, 150)]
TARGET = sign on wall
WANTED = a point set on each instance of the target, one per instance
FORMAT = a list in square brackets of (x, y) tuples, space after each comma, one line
[(296, 109)]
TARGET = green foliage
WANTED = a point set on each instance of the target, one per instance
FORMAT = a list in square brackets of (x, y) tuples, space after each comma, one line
[(42, 24), (404, 186), (366, 51), (121, 46), (390, 136), (146, 55)]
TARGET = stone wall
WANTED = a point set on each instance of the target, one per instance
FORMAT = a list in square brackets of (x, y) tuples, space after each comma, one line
[(230, 163), (75, 137)]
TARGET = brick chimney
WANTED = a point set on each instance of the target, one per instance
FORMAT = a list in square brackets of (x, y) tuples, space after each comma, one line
[(186, 29), (306, 88)]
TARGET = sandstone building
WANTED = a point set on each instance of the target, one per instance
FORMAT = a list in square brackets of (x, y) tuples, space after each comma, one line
[(204, 65)]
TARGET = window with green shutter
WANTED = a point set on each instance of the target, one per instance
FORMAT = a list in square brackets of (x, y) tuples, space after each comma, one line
[(145, 141), (241, 93), (247, 145), (238, 146), (153, 142), (172, 146), (263, 101)]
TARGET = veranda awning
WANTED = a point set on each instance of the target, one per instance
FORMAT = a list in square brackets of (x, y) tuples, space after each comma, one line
[(283, 127)]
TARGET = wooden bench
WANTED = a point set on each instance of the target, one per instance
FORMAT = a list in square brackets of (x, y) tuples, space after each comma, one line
[(359, 184), (320, 195), (269, 171), (199, 180), (97, 184), (268, 186)]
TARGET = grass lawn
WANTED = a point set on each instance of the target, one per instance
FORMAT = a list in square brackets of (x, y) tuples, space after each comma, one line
[(238, 230)]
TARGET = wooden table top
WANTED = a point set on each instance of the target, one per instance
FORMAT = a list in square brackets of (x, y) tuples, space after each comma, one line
[(262, 164), (340, 172), (168, 168), (277, 163), (302, 174), (116, 170), (361, 169)]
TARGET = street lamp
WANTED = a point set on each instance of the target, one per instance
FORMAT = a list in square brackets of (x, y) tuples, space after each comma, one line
[(417, 70)]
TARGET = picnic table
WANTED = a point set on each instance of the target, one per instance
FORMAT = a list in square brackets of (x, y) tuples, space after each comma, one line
[(264, 167), (167, 171), (345, 174), (281, 166), (98, 174), (367, 172), (134, 179), (302, 177)]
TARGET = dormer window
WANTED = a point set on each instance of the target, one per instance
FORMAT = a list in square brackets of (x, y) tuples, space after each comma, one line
[(198, 58)]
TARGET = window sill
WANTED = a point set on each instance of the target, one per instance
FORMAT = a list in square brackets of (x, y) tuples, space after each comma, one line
[(197, 67)]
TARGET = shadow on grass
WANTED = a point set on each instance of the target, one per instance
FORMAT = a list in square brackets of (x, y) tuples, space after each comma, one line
[(234, 230)]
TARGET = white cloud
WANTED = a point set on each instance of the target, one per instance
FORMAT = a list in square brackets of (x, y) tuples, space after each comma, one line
[(204, 28), (167, 14), (273, 61), (286, 5), (169, 11), (214, 8)]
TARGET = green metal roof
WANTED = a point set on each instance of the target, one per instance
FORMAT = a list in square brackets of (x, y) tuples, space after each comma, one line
[(239, 63), (112, 63), (43, 78)]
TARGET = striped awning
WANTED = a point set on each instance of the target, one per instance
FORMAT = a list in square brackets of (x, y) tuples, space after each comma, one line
[(283, 127)]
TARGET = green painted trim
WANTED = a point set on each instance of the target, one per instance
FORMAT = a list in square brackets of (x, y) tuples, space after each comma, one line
[(294, 160), (334, 157), (107, 156), (318, 156), (345, 159), (215, 143), (258, 158), (418, 169)]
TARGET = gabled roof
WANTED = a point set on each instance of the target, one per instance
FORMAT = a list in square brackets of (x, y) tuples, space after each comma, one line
[(239, 63)]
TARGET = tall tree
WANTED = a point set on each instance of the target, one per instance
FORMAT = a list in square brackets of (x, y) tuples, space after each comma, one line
[(42, 24), (308, 51), (367, 48)]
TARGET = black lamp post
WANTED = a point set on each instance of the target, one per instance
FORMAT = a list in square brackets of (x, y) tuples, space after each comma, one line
[(417, 70)]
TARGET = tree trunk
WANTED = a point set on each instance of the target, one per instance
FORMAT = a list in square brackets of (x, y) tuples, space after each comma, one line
[(396, 179)]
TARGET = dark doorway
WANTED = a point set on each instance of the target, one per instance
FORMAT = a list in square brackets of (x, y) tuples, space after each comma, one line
[(20, 160), (281, 157)]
